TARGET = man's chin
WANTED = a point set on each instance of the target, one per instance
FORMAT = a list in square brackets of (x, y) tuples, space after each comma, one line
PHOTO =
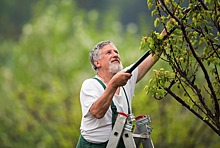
[(115, 68)]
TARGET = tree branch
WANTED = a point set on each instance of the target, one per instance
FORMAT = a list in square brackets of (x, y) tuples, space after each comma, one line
[(194, 112)]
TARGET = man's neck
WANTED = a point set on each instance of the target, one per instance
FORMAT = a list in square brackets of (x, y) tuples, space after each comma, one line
[(105, 76)]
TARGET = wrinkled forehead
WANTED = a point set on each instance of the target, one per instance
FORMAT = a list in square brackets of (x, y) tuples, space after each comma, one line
[(108, 47)]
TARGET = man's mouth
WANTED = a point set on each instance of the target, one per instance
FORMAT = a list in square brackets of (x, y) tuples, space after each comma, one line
[(115, 60)]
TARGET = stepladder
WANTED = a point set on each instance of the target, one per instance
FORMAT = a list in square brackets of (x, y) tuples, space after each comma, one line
[(134, 131)]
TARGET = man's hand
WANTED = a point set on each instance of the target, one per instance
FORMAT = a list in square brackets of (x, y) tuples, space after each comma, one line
[(120, 79)]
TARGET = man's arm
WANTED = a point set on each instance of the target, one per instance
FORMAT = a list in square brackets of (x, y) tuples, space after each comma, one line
[(101, 105)]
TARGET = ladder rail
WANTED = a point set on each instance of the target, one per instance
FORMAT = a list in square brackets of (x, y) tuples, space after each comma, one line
[(123, 129)]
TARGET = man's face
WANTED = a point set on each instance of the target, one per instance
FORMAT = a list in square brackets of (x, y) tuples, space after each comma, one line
[(109, 59)]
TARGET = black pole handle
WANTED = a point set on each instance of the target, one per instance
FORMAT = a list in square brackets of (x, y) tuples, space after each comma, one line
[(138, 61)]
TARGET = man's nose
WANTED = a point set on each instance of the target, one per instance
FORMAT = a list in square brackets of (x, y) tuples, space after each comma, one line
[(115, 54)]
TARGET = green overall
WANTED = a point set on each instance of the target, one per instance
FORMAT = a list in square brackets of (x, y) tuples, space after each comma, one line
[(82, 143)]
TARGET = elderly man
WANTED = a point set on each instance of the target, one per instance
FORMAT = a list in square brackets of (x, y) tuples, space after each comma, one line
[(109, 92)]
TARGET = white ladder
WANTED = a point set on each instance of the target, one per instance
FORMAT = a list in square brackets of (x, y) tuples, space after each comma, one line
[(123, 129)]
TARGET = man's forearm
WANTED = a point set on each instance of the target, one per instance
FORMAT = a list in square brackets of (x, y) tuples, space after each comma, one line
[(100, 107)]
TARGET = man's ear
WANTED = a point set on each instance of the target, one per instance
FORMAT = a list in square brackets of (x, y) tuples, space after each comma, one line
[(97, 64)]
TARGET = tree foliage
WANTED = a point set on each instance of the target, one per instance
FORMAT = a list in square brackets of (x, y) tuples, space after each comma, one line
[(191, 48)]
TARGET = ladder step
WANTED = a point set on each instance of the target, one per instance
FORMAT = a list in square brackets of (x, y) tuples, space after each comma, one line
[(117, 130)]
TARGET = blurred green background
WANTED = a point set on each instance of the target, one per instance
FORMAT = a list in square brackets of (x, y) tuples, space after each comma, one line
[(44, 58)]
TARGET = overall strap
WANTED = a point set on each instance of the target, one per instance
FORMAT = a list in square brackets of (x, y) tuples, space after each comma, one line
[(103, 85), (113, 107), (114, 111), (112, 104), (129, 109)]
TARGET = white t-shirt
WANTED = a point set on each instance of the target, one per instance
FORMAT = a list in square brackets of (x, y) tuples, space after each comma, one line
[(98, 130)]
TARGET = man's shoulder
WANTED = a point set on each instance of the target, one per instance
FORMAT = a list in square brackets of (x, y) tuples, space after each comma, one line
[(90, 81), (92, 84)]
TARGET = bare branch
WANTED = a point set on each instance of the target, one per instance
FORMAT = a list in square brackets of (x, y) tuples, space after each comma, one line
[(177, 98)]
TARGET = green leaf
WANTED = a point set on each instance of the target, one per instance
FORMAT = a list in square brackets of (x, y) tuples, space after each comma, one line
[(156, 22)]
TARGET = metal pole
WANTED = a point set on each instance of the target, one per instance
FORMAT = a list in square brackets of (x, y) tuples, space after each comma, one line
[(138, 62)]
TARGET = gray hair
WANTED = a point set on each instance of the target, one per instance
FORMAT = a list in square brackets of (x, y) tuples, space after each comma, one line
[(94, 54)]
